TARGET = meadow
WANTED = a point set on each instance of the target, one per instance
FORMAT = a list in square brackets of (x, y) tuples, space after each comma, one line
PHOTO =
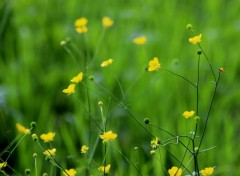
[(43, 50)]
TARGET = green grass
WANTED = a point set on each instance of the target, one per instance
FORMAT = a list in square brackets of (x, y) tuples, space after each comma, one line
[(35, 68)]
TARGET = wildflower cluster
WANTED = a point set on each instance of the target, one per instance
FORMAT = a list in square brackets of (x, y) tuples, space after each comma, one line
[(191, 142)]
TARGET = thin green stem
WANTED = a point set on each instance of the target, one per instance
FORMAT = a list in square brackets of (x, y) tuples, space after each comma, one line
[(70, 53), (208, 60), (56, 163), (187, 80), (208, 114), (129, 112), (129, 161), (94, 148), (35, 164), (17, 145), (197, 113)]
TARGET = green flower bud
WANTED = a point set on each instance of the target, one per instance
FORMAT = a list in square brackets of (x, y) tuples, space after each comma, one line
[(146, 121), (189, 26), (33, 125), (27, 171), (34, 137), (199, 52)]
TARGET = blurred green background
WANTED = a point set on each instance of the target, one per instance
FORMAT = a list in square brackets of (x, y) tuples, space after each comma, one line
[(35, 68)]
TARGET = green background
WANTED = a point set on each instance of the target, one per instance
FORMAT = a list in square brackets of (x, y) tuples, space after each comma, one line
[(35, 68)]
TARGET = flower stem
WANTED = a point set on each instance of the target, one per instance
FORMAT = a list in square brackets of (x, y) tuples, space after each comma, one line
[(180, 76)]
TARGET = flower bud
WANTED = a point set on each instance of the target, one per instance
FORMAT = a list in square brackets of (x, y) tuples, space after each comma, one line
[(33, 125), (197, 118), (221, 69), (199, 52), (146, 121), (27, 171), (34, 137), (189, 26)]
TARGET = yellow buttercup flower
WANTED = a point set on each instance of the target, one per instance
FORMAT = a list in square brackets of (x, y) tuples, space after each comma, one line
[(2, 165), (70, 89), (106, 168), (84, 149), (175, 171), (77, 78), (107, 22), (196, 39), (70, 172), (108, 136), (188, 114), (106, 63), (82, 29), (153, 64), (80, 22), (47, 137), (207, 171), (22, 129), (140, 40), (50, 152)]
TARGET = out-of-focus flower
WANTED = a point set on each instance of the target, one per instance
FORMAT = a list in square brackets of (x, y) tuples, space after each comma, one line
[(22, 129), (70, 89), (70, 172), (107, 22), (84, 149), (2, 165), (48, 137), (77, 78), (175, 171), (108, 136), (196, 39), (207, 171), (106, 63), (140, 40), (80, 22), (188, 114), (154, 64), (82, 29), (50, 152), (105, 168)]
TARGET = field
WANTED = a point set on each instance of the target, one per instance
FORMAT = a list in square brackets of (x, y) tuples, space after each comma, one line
[(42, 48)]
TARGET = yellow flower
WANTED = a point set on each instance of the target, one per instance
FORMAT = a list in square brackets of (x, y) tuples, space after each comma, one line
[(77, 78), (80, 22), (84, 149), (50, 152), (140, 40), (106, 63), (47, 137), (70, 172), (22, 129), (175, 171), (188, 114), (196, 39), (2, 165), (108, 136), (155, 143), (70, 89), (82, 29), (107, 22), (207, 171), (106, 168), (153, 64)]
